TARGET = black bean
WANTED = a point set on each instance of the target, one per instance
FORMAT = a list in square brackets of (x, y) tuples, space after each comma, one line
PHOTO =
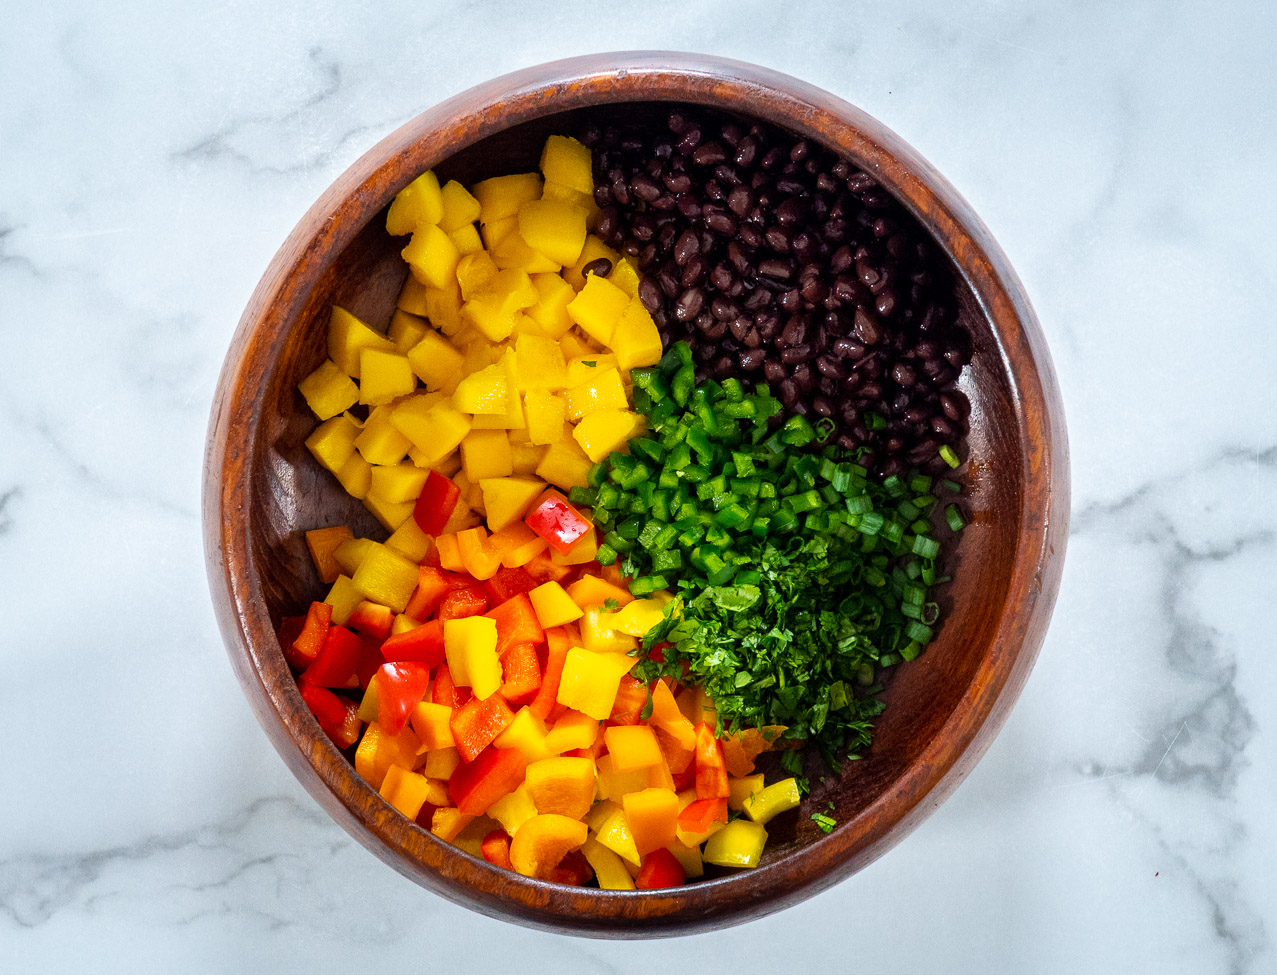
[(649, 293), (795, 353), (790, 212), (903, 375), (689, 304), (709, 154), (694, 271), (600, 266), (740, 201), (955, 405), (723, 224), (777, 239), (687, 246)]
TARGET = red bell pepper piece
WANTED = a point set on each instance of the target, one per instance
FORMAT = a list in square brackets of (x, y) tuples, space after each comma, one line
[(697, 816), (474, 787), (516, 623), (425, 816), (477, 724), (446, 692), (370, 660), (520, 674), (305, 648), (711, 765), (290, 628), (657, 652), (542, 570), (508, 583), (463, 602), (433, 584), (337, 660), (555, 519), (574, 870), (495, 848), (660, 868), (684, 779), (400, 687), (435, 504), (631, 699), (372, 619), (338, 717), (422, 643), (556, 639)]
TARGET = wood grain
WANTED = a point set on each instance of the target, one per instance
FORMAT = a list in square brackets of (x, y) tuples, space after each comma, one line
[(262, 490)]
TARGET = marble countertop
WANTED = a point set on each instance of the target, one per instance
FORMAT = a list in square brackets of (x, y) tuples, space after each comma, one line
[(154, 155)]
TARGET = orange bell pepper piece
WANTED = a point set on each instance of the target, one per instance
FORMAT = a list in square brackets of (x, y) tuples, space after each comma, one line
[(306, 646), (631, 699), (474, 787), (478, 555), (432, 585), (476, 724), (543, 841), (699, 814), (371, 619), (711, 765), (653, 816), (516, 622), (632, 747)]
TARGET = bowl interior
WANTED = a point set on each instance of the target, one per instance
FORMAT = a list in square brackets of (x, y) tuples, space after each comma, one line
[(296, 494)]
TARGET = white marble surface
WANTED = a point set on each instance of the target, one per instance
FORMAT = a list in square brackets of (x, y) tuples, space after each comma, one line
[(154, 155)]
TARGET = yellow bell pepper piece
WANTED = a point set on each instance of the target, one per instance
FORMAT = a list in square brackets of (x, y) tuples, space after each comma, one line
[(343, 597), (323, 544), (517, 545), (591, 590), (386, 577), (597, 637), (541, 842), (775, 799), (590, 681), (605, 431), (553, 605), (632, 747), (457, 207), (431, 723), (562, 785), (436, 362), (614, 833), (348, 336), (366, 753), (390, 751), (380, 441), (402, 624), (470, 645), (447, 822), (636, 618), (573, 730), (598, 308), (418, 203), (738, 844), (442, 763), (566, 161), (742, 789), (513, 809), (526, 733), (432, 256), (614, 784), (329, 391), (333, 441), (470, 839), (609, 869), (652, 815), (405, 790)]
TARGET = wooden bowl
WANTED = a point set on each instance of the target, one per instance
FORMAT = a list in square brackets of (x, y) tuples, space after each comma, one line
[(262, 490)]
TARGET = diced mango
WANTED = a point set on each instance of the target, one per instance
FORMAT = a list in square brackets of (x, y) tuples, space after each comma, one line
[(343, 597), (554, 229), (384, 376), (486, 453), (329, 391), (598, 308), (470, 644), (402, 482), (435, 430), (436, 362), (417, 204), (410, 541), (605, 431), (590, 681), (474, 273), (562, 785), (545, 413), (443, 308), (586, 368), (351, 552), (406, 330), (632, 747), (355, 476), (502, 196), (466, 239), (565, 465), (386, 577), (517, 544), (333, 441), (597, 636), (550, 311), (506, 499), (566, 161), (391, 514), (447, 822), (538, 364), (526, 457), (484, 391), (553, 605), (432, 256), (412, 297), (458, 208), (348, 336), (602, 391), (593, 249), (492, 310), (636, 340), (494, 231), (379, 441), (442, 763), (512, 252), (636, 618), (625, 276)]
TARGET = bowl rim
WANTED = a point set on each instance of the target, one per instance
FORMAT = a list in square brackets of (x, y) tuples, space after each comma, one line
[(344, 208)]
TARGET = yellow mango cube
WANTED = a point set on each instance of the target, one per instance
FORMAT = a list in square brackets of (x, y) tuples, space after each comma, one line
[(604, 391), (348, 337), (636, 341), (652, 815), (538, 364), (494, 231), (601, 433), (572, 731), (545, 413), (486, 453), (386, 577), (417, 204), (391, 514), (474, 273), (384, 376), (443, 308), (550, 311), (525, 458), (329, 391), (565, 465), (343, 597), (412, 297), (598, 308), (492, 310), (593, 249), (632, 747), (322, 544), (333, 441), (559, 193), (398, 483), (590, 681), (614, 834), (587, 367), (432, 256), (405, 790), (379, 442), (436, 430), (502, 196), (554, 229), (484, 391), (442, 763), (355, 476), (506, 499), (470, 645), (436, 362), (406, 330), (625, 276), (457, 207), (511, 417), (466, 239), (566, 161), (410, 541), (351, 552), (514, 253), (636, 618)]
